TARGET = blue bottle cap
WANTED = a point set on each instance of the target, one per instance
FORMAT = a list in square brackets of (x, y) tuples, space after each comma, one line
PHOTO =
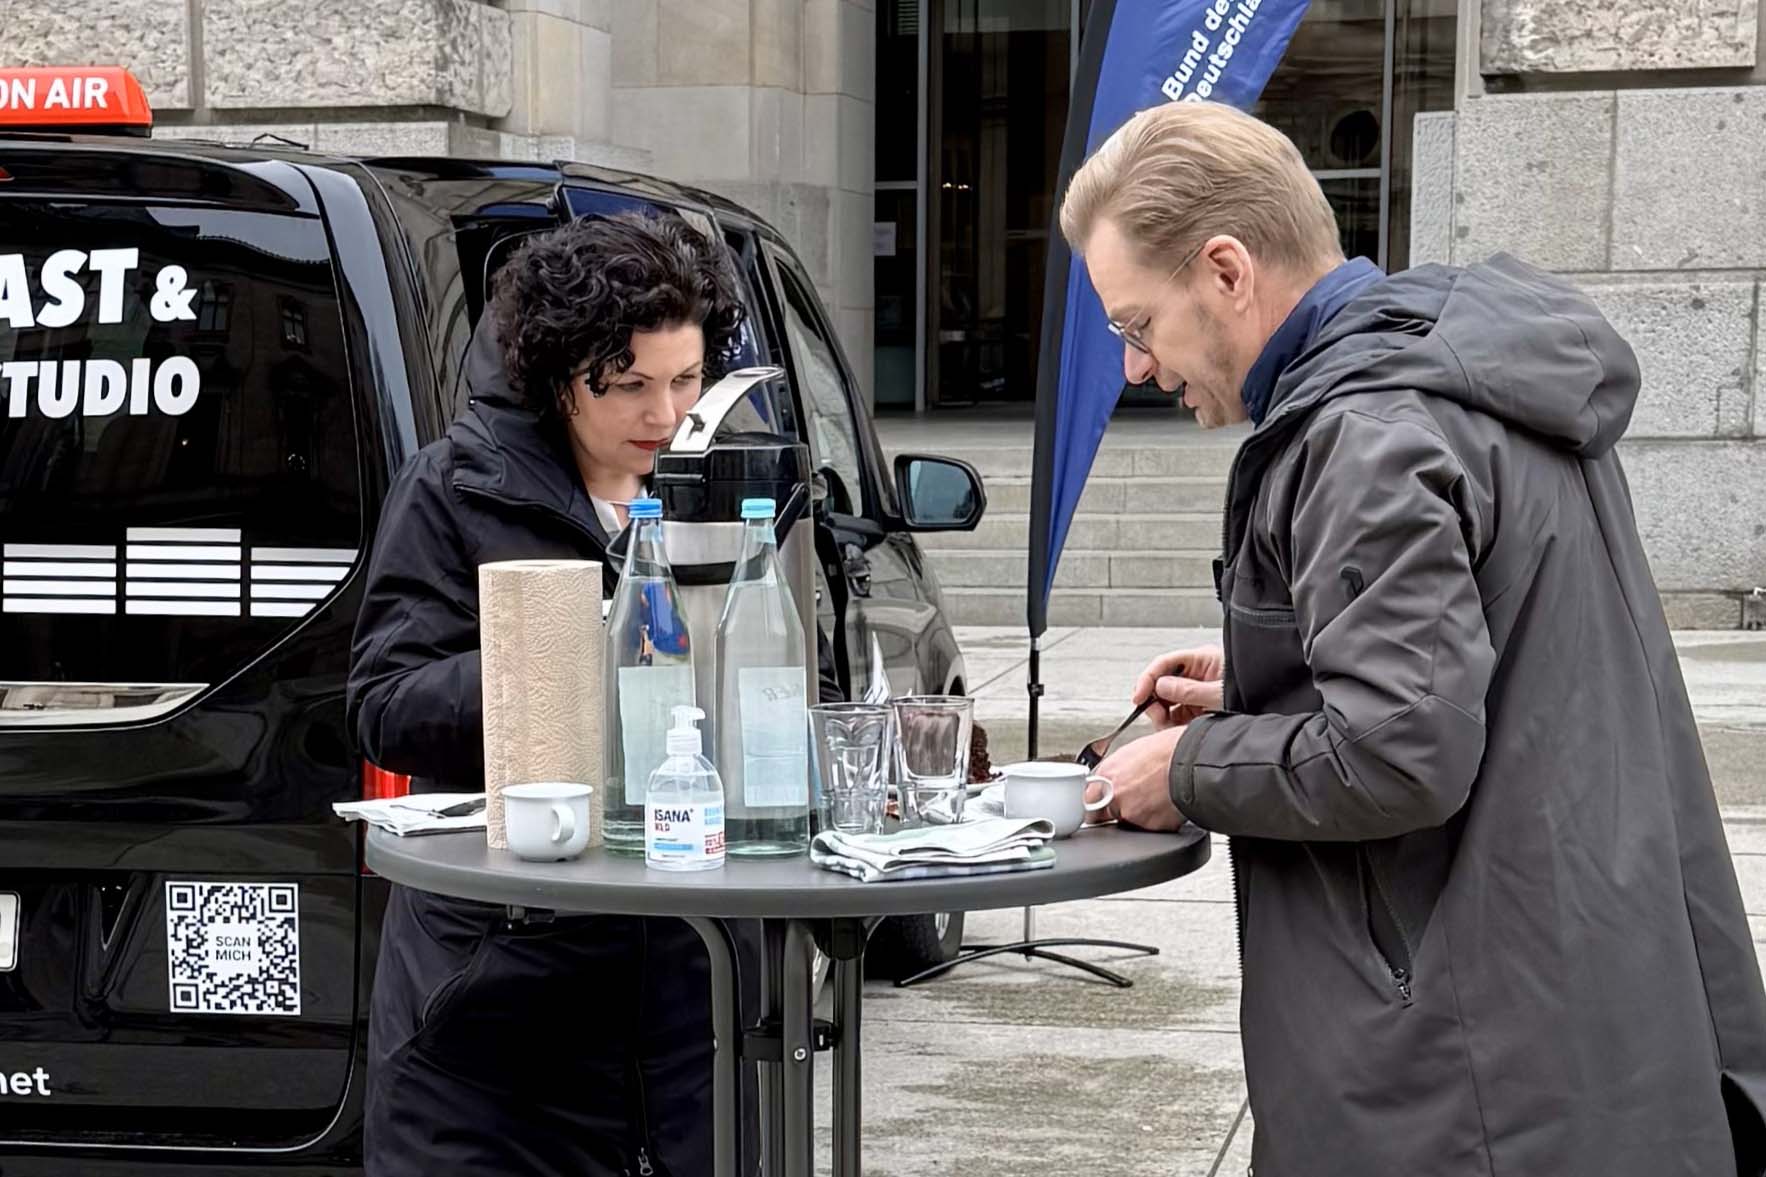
[(758, 508), (645, 509)]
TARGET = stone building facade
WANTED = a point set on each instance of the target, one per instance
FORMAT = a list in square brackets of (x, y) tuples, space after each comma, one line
[(769, 102), (1619, 142), (1623, 143)]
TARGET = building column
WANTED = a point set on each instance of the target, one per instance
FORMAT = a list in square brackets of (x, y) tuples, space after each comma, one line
[(1649, 191), (562, 82), (772, 104)]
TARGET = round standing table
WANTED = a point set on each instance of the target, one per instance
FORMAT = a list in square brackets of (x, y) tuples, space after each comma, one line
[(800, 907)]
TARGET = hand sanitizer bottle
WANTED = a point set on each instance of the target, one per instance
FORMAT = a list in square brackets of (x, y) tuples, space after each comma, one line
[(684, 803)]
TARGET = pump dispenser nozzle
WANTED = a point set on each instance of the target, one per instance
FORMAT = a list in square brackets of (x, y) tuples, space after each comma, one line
[(684, 739)]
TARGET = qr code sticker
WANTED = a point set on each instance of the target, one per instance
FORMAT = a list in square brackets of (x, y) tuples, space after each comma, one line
[(234, 948)]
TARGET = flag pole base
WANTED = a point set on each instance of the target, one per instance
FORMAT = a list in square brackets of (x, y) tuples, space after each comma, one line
[(1040, 950)]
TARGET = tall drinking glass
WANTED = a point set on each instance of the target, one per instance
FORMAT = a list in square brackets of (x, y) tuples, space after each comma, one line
[(852, 756), (932, 757)]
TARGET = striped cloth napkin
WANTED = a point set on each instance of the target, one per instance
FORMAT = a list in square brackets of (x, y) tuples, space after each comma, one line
[(986, 847)]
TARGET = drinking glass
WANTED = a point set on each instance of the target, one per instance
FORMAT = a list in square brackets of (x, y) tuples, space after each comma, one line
[(852, 749), (932, 757)]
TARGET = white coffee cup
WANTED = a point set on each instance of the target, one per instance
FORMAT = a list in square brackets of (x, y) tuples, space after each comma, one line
[(547, 821), (1056, 792)]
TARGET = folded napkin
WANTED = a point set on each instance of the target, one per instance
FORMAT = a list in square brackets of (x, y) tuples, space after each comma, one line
[(986, 847), (420, 813), (989, 803)]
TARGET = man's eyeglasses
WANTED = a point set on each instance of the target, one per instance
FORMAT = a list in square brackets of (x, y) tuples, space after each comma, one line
[(1133, 333)]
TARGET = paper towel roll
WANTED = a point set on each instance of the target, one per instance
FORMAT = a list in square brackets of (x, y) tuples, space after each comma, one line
[(541, 645)]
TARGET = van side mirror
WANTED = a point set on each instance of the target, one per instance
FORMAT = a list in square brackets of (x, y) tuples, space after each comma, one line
[(939, 494)]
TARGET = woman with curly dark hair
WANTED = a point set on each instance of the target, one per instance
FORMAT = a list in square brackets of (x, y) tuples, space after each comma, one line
[(580, 1046), (610, 328)]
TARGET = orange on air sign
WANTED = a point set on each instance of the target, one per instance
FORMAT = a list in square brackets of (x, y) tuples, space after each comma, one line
[(40, 97)]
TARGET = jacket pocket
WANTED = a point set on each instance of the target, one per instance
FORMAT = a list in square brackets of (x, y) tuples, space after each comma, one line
[(1239, 859), (446, 996), (1384, 930), (1266, 658), (1264, 617)]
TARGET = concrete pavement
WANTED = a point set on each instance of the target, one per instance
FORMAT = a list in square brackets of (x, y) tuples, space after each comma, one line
[(1027, 1069)]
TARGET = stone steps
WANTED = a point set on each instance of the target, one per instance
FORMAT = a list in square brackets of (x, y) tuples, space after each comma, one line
[(1195, 460), (1140, 549), (1078, 569), (1115, 496), (1183, 531), (1183, 607)]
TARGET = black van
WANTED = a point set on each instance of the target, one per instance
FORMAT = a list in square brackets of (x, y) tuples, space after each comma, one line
[(212, 359)]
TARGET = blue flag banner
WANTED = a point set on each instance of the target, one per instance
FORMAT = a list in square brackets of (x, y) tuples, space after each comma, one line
[(1134, 55)]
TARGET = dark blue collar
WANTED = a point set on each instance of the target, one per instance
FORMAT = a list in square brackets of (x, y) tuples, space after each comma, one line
[(1327, 296)]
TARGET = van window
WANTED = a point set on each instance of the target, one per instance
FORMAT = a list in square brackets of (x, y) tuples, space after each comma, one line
[(769, 408), (178, 457), (821, 382)]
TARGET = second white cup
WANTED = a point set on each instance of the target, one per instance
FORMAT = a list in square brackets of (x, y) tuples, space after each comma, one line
[(546, 822), (1055, 792)]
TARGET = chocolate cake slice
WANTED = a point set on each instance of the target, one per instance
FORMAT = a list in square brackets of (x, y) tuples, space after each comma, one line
[(980, 767)]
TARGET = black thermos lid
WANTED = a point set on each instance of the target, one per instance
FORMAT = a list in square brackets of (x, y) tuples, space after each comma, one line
[(709, 487)]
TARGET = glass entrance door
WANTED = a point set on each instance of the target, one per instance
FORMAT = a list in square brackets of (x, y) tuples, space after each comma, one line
[(1003, 75), (1346, 92), (976, 95)]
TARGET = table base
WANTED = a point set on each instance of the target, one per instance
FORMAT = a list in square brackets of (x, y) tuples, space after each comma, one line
[(785, 1043)]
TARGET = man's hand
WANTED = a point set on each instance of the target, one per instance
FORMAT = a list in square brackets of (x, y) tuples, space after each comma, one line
[(1141, 774), (1184, 685)]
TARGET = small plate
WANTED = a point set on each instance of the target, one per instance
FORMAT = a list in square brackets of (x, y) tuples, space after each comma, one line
[(995, 778)]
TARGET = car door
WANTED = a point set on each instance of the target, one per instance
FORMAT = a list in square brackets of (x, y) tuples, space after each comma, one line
[(185, 458), (881, 569)]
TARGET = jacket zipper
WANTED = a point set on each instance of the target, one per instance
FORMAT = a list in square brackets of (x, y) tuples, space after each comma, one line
[(1401, 969), (1232, 862), (1226, 670), (1261, 432), (645, 1167)]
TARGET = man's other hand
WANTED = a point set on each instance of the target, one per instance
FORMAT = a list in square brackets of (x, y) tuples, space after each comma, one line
[(1141, 774)]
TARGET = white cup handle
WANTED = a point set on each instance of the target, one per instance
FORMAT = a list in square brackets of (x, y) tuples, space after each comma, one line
[(563, 823), (1109, 794)]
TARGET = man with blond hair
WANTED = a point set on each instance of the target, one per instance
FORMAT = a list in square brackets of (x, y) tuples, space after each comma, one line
[(1488, 922)]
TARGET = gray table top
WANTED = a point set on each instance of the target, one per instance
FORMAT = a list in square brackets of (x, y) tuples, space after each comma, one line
[(1102, 861)]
